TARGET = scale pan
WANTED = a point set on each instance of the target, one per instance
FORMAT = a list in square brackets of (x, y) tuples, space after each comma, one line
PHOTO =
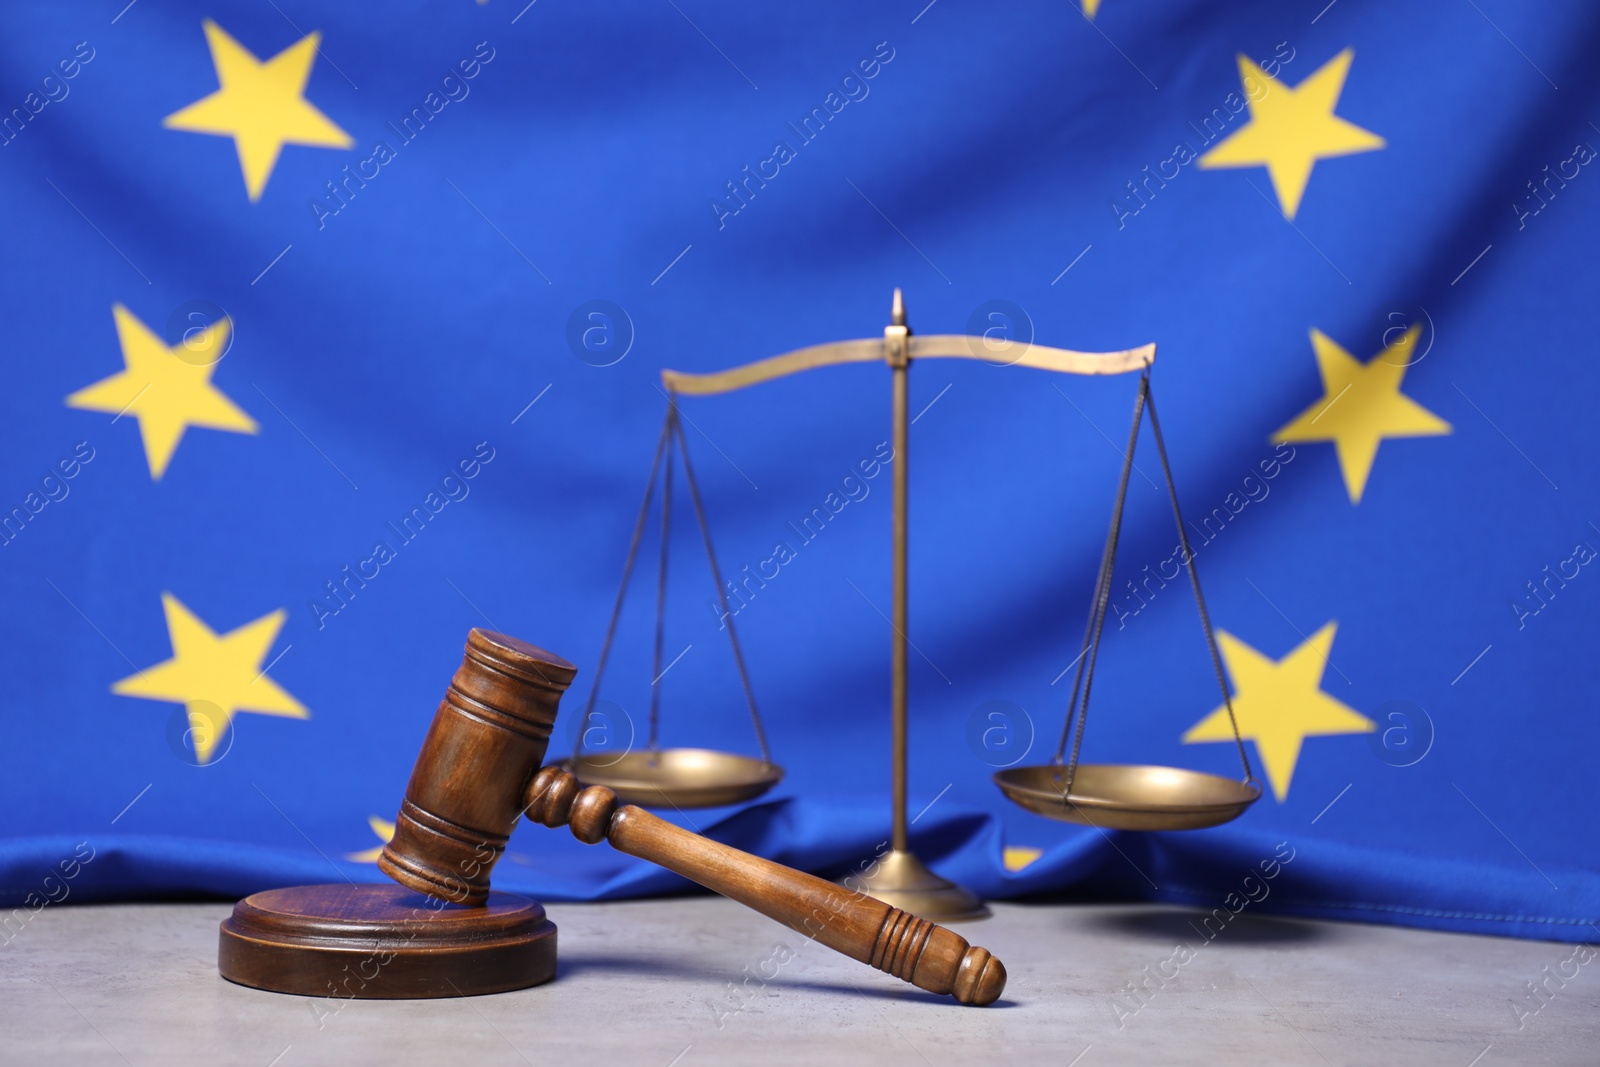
[(1125, 797), (678, 777)]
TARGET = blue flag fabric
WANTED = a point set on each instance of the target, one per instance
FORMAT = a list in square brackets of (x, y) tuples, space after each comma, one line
[(329, 337)]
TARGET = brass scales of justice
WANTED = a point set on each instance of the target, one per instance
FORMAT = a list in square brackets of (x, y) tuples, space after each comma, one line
[(1108, 796)]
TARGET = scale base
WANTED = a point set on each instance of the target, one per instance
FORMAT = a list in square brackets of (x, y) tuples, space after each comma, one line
[(384, 942), (903, 881)]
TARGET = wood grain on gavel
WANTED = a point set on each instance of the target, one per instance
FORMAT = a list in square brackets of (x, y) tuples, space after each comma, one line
[(863, 928), (476, 774)]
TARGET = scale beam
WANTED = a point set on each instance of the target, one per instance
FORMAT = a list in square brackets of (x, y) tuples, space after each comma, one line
[(765, 370), (1039, 357), (933, 346)]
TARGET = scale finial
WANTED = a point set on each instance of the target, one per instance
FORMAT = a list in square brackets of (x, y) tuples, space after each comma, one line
[(897, 311)]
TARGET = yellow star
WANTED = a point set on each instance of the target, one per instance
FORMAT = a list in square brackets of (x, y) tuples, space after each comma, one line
[(1290, 129), (260, 105), (385, 831), (1016, 857), (1361, 405), (1279, 704), (1089, 9), (166, 389), (213, 676)]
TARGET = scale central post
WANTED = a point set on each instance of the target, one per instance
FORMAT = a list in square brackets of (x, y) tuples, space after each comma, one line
[(895, 345), (899, 877)]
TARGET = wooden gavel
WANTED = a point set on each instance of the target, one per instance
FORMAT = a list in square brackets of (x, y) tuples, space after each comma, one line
[(478, 772)]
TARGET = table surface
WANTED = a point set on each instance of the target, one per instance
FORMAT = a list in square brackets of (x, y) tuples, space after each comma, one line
[(680, 983)]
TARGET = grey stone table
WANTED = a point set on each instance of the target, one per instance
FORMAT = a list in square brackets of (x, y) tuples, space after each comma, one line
[(698, 981)]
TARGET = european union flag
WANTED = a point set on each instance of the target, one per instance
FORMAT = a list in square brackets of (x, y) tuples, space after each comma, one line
[(331, 336)]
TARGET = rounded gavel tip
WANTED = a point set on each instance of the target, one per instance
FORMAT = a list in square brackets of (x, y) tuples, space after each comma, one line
[(980, 979)]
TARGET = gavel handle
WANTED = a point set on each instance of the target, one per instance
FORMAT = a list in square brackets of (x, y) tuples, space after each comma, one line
[(863, 928)]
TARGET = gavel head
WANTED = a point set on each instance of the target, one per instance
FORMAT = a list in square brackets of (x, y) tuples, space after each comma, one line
[(466, 793)]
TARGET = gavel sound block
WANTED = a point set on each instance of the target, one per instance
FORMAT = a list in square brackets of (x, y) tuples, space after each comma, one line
[(478, 772)]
